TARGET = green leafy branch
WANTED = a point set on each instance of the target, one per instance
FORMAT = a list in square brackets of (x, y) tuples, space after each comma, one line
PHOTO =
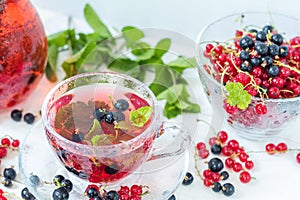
[(91, 51)]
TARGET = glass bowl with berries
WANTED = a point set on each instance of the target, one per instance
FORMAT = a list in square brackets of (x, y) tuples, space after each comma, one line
[(249, 64)]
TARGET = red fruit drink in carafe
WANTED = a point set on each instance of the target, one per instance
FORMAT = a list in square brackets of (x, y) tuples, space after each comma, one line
[(23, 51)]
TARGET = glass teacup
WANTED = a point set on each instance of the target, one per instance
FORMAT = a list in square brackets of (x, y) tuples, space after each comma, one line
[(102, 126)]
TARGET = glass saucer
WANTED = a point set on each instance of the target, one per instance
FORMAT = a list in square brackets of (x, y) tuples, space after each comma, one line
[(162, 177)]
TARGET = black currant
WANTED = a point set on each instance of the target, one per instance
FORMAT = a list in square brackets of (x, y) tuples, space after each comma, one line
[(26, 194), (188, 179), (112, 169), (60, 193), (255, 61), (77, 137), (228, 189), (246, 66), (283, 51), (261, 36), (29, 118), (216, 148), (121, 105), (92, 192), (34, 180), (109, 117), (244, 55), (112, 195), (277, 38), (261, 48), (273, 70), (267, 29), (224, 175), (266, 61), (99, 114), (7, 182), (246, 42), (216, 187), (58, 179), (252, 31), (172, 197), (215, 164), (16, 115), (67, 184), (273, 50), (10, 173), (97, 198)]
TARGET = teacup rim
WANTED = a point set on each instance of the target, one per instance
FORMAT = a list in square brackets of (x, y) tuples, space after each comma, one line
[(49, 128)]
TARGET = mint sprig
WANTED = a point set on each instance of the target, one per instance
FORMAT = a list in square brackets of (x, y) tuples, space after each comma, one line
[(140, 117), (91, 51), (237, 96)]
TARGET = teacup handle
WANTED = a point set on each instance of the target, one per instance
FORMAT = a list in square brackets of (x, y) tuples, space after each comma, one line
[(171, 140)]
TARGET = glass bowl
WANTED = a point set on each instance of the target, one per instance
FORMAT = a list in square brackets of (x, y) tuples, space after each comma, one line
[(281, 113)]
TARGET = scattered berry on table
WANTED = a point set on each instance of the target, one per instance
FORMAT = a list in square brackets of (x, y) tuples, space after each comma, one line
[(188, 179), (29, 118), (228, 189), (172, 197), (60, 193), (16, 115), (9, 173), (26, 194)]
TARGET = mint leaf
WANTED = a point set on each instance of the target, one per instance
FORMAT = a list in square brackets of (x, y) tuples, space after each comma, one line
[(140, 116), (237, 96), (131, 35), (171, 94), (95, 22), (182, 63), (162, 79), (51, 63), (59, 39), (103, 139), (162, 47), (72, 64), (96, 129), (171, 110)]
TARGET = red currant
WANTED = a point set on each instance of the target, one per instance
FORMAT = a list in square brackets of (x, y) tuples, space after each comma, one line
[(245, 177), (207, 174), (243, 157), (123, 195), (135, 197), (200, 145), (281, 147), (124, 189), (233, 144), (3, 152), (249, 164), (203, 153), (5, 142), (15, 143), (260, 109), (223, 136), (229, 162), (237, 167), (215, 177), (227, 151), (298, 158), (270, 148), (136, 189), (212, 140), (207, 182)]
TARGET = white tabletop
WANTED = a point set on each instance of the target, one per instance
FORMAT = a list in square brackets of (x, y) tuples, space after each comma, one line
[(277, 176)]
